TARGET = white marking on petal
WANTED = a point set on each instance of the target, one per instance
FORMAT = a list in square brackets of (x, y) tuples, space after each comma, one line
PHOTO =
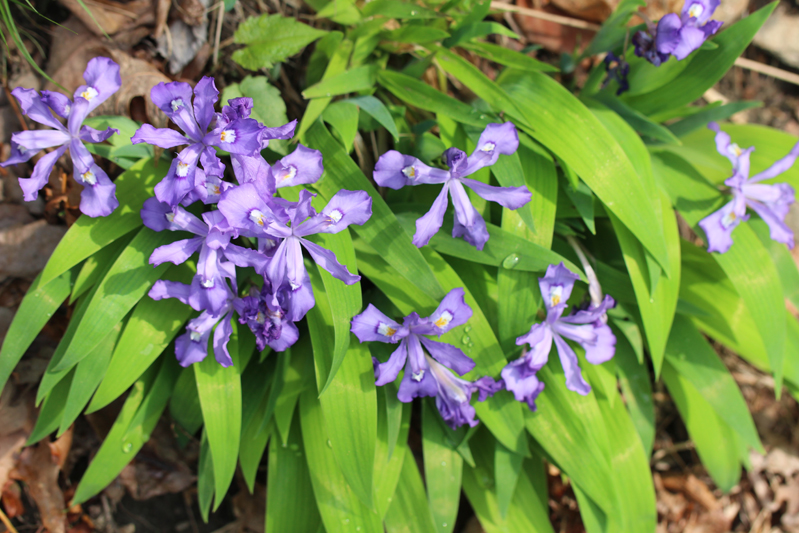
[(182, 170), (67, 109), (335, 215), (195, 335), (735, 150), (213, 189), (260, 318), (289, 173), (447, 381), (176, 104), (207, 283), (89, 177), (488, 147), (444, 320), (170, 217), (696, 11), (728, 219), (89, 93), (409, 172), (228, 136), (257, 217), (294, 286), (555, 295), (385, 330), (417, 376), (21, 149)]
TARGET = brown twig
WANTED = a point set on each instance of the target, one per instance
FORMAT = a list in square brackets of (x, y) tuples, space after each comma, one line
[(535, 13), (218, 35), (768, 70), (15, 107)]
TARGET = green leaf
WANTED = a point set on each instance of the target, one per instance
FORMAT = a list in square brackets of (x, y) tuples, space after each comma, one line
[(341, 509), (377, 110), (637, 120), (397, 10), (422, 96), (509, 58), (219, 389), (349, 403), (344, 119), (342, 11), (706, 67), (507, 467), (716, 443), (271, 39), (151, 327), (88, 374), (205, 478), (39, 304), (256, 425), (133, 426), (88, 235), (337, 64), (409, 512), (97, 265), (475, 30), (443, 467), (701, 119), (528, 511), (783, 260), (690, 356), (414, 34), (184, 405), (290, 504), (637, 389), (268, 105), (353, 80), (383, 231), (577, 137), (52, 410), (389, 465), (127, 281)]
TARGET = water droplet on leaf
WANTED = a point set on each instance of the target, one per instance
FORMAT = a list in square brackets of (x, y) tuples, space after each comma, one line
[(329, 444), (465, 339), (467, 329), (510, 262), (127, 447)]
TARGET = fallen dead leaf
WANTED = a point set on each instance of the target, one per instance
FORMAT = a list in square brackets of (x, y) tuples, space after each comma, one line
[(128, 22)]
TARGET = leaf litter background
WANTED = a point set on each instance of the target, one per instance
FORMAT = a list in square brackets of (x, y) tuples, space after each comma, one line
[(160, 40)]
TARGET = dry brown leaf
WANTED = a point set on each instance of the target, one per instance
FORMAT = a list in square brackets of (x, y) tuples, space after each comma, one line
[(161, 15), (17, 418), (12, 500), (113, 17), (39, 469), (250, 509)]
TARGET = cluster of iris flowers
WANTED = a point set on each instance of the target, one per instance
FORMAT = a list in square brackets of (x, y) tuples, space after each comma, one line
[(279, 230)]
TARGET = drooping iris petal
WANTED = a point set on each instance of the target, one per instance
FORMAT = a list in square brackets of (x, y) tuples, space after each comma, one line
[(177, 252), (35, 140), (301, 167), (395, 170), (192, 346), (429, 224), (161, 137), (496, 139), (59, 103), (779, 166), (510, 197), (718, 227), (778, 230), (345, 208), (691, 39), (221, 339), (179, 180), (521, 380), (170, 289), (174, 99), (238, 137), (246, 210), (388, 371), (327, 260), (571, 367), (699, 10), (98, 197), (41, 173), (96, 136), (448, 355), (667, 37), (33, 107), (540, 340)]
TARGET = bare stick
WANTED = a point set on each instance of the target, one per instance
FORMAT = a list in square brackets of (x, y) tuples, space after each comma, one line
[(768, 70), (218, 36), (560, 19), (9, 526)]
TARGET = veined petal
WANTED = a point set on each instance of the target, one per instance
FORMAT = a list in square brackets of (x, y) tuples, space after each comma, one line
[(162, 137), (41, 174), (372, 325), (59, 103), (448, 355), (468, 222), (102, 80), (327, 260), (452, 397), (603, 348), (18, 155), (295, 267), (496, 139), (667, 37), (395, 170), (252, 168), (418, 381), (286, 131), (540, 340), (192, 347), (778, 230), (718, 227), (301, 167), (690, 40), (98, 197), (429, 224), (221, 339), (568, 359), (289, 334), (779, 166), (522, 381), (170, 289), (510, 197), (179, 180), (35, 140), (158, 216), (453, 311), (174, 99), (777, 197), (301, 299), (32, 105), (245, 257), (556, 286), (205, 96), (177, 252), (388, 371), (92, 135), (238, 137), (345, 208), (276, 269)]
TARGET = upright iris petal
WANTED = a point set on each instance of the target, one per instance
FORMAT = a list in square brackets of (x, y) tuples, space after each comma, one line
[(395, 170), (98, 197), (678, 35), (427, 374), (771, 202), (588, 328)]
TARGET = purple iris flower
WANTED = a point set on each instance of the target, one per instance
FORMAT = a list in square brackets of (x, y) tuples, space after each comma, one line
[(617, 69), (239, 136), (192, 346), (426, 375), (396, 170), (213, 234), (268, 317), (586, 327), (98, 197), (254, 213), (678, 35), (771, 202)]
